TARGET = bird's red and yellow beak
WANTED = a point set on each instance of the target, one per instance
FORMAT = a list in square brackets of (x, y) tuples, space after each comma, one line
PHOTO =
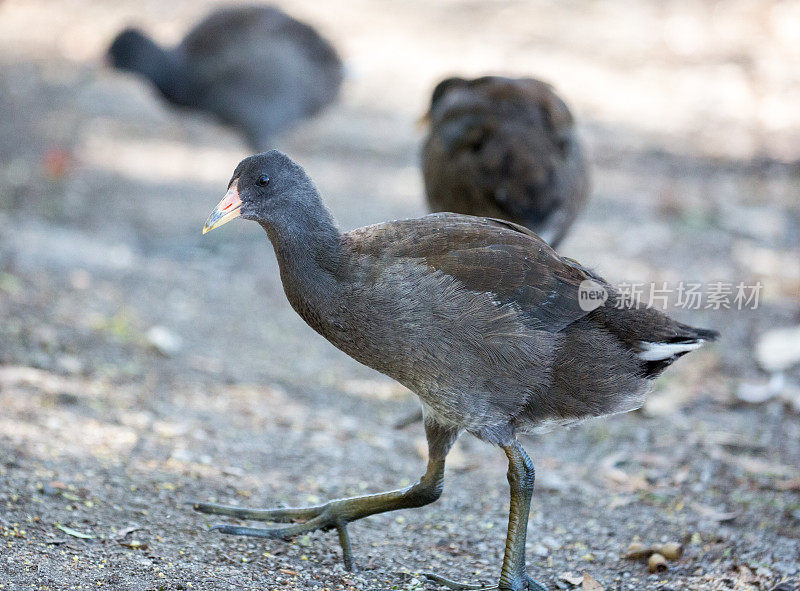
[(226, 210)]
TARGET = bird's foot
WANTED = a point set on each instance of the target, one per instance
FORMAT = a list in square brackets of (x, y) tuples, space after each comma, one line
[(331, 515), (334, 514), (524, 583), (456, 585)]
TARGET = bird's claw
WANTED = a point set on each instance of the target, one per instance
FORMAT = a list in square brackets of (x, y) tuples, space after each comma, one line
[(303, 519), (525, 583), (534, 585)]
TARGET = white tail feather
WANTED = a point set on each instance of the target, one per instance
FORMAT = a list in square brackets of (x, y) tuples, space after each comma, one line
[(660, 351)]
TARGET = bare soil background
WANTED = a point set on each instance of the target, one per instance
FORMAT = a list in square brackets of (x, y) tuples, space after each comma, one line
[(690, 113)]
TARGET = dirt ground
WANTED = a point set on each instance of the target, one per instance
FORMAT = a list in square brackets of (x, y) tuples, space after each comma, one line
[(143, 365)]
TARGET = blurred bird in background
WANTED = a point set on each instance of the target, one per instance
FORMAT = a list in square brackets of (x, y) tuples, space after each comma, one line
[(253, 67), (505, 148)]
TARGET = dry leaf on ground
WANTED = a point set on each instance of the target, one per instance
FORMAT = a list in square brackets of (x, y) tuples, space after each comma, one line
[(590, 583)]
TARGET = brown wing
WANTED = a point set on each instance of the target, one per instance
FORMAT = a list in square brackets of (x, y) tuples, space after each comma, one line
[(519, 270), (485, 255)]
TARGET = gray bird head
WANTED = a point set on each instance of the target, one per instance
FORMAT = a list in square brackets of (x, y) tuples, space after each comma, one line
[(133, 50), (266, 188)]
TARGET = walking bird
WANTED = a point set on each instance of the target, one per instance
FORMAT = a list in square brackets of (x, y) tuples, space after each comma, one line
[(479, 317)]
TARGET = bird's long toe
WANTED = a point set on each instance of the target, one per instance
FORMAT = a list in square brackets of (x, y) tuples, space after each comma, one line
[(457, 585), (276, 533), (275, 515), (522, 584)]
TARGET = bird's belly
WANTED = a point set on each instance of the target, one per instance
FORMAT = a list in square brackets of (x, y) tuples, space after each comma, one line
[(462, 382), (472, 360)]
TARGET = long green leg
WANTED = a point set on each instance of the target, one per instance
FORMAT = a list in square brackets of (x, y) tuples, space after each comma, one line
[(338, 513), (513, 576)]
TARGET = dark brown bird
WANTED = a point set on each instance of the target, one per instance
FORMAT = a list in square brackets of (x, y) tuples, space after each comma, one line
[(505, 148), (254, 67), (479, 317)]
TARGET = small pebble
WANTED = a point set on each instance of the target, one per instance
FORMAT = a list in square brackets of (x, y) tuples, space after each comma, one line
[(164, 340)]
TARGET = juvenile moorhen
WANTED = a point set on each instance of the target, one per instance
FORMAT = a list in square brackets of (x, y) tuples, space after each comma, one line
[(254, 67), (479, 317), (505, 148)]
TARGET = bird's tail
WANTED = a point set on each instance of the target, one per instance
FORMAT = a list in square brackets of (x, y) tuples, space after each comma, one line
[(658, 355)]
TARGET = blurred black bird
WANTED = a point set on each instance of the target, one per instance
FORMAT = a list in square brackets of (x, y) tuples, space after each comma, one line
[(478, 317), (505, 148), (254, 67)]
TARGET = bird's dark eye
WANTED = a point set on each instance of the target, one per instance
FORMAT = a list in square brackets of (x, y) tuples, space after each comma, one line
[(262, 180)]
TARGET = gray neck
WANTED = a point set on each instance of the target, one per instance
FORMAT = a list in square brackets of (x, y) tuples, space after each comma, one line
[(165, 68), (172, 80), (308, 247)]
